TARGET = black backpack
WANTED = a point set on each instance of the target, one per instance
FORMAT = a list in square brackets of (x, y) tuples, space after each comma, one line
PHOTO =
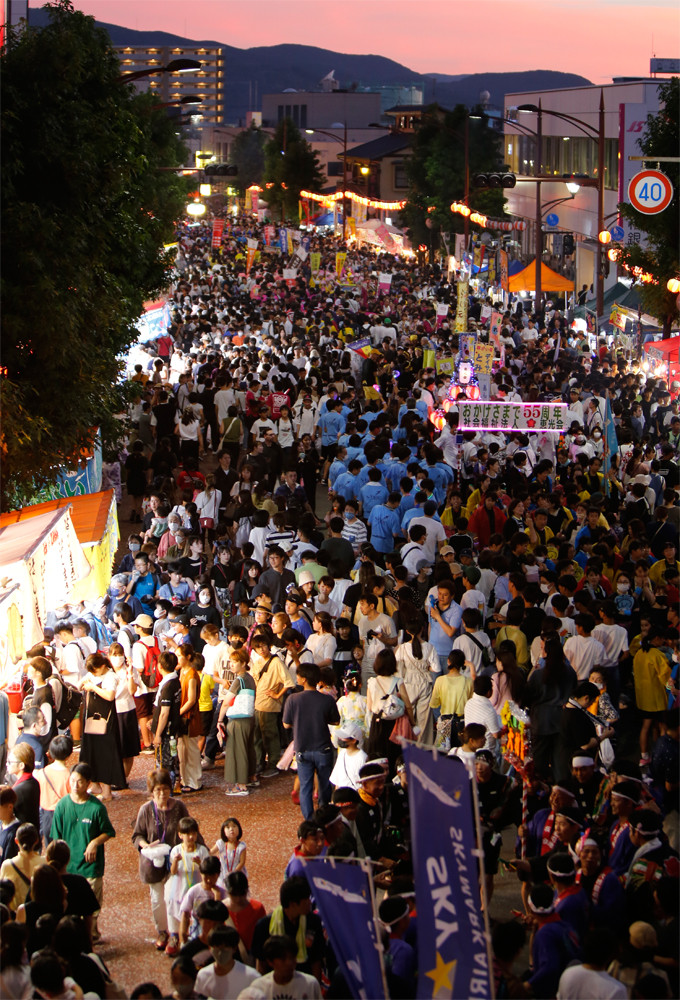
[(71, 700)]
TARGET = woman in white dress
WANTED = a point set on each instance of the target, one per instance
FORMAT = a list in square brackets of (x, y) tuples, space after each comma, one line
[(418, 666)]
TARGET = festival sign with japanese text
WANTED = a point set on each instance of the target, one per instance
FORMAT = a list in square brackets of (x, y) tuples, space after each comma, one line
[(462, 307), (503, 259), (484, 354), (512, 417), (217, 231)]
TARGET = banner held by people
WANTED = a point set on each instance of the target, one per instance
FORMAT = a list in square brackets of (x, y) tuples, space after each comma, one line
[(343, 894), (453, 954)]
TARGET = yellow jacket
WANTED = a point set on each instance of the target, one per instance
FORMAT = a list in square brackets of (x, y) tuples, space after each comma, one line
[(651, 671)]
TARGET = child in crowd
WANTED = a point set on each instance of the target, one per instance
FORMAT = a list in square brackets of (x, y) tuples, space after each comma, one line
[(351, 757), (352, 705), (210, 870), (230, 848), (185, 859)]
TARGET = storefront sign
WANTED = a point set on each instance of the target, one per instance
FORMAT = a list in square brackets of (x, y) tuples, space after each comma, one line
[(512, 417)]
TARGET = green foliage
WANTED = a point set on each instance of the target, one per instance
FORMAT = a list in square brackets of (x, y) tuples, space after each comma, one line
[(85, 212), (660, 256), (291, 166), (247, 153), (436, 172)]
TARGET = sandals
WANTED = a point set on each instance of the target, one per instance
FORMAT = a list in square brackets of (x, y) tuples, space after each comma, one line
[(172, 947), (162, 941)]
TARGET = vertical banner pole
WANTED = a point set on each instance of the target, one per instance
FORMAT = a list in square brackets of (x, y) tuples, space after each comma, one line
[(482, 880), (368, 868)]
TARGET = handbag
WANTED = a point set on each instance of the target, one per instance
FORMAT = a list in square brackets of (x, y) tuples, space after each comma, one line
[(207, 522), (402, 730), (243, 706), (96, 724)]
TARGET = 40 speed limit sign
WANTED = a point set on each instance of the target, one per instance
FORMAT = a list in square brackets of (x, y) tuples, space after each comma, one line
[(650, 192)]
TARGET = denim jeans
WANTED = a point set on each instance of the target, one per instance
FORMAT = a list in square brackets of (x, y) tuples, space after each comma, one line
[(310, 762)]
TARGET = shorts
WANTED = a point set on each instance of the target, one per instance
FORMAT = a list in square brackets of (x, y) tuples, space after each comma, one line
[(328, 451), (206, 721), (655, 716), (144, 705)]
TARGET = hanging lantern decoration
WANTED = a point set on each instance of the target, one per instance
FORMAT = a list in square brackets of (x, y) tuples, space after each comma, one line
[(438, 418)]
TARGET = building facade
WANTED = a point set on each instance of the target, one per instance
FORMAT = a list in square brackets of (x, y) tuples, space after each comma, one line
[(312, 109), (207, 83), (567, 150)]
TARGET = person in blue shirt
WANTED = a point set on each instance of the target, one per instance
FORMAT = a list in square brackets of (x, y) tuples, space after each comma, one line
[(338, 465), (347, 482), (355, 449), (445, 618), (407, 487), (384, 524), (372, 458), (372, 493), (329, 428), (415, 510)]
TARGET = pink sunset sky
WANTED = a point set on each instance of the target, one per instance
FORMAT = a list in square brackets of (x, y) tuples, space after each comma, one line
[(598, 39)]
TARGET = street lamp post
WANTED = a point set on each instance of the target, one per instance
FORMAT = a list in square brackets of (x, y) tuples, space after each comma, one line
[(176, 66), (343, 141)]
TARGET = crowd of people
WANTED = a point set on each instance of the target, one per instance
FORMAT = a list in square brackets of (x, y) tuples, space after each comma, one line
[(315, 573)]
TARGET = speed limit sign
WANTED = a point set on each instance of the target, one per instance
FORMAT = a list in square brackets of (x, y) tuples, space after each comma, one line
[(650, 192)]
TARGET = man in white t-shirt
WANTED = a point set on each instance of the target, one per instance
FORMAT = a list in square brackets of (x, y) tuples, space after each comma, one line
[(473, 598), (381, 627), (284, 982), (436, 535), (224, 978), (582, 650), (474, 643), (590, 978), (479, 709)]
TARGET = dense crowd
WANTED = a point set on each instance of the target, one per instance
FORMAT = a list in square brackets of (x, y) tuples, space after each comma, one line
[(314, 573)]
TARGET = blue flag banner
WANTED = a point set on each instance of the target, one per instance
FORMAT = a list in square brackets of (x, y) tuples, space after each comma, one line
[(453, 958), (342, 893), (283, 240)]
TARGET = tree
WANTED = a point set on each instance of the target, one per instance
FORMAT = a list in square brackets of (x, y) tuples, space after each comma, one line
[(247, 153), (86, 209), (660, 257), (436, 172), (290, 166)]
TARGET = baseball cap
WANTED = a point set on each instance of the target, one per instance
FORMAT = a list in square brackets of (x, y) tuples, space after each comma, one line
[(473, 574), (350, 731), (146, 621), (447, 551)]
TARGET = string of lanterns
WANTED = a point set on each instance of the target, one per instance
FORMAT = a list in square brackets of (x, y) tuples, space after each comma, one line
[(329, 199), (485, 222)]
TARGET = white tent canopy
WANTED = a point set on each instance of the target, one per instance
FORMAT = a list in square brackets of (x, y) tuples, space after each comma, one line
[(44, 557)]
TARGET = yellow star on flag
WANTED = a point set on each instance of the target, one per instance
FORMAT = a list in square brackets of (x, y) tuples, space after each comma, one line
[(442, 976)]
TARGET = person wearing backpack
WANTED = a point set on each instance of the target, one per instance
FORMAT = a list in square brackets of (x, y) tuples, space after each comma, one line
[(475, 644), (145, 654), (71, 669)]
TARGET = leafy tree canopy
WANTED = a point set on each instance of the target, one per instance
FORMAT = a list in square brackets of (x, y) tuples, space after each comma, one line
[(291, 166), (86, 209), (660, 257), (436, 171), (247, 153)]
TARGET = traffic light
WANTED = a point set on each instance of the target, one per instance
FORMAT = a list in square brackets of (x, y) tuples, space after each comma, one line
[(220, 170), (495, 179), (568, 244)]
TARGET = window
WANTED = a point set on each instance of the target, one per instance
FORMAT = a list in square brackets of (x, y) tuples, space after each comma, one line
[(334, 169), (400, 177)]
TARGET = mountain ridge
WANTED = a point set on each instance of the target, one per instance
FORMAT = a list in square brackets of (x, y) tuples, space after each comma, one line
[(254, 71)]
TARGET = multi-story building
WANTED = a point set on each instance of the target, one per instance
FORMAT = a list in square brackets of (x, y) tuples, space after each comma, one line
[(321, 109), (568, 150), (207, 83)]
